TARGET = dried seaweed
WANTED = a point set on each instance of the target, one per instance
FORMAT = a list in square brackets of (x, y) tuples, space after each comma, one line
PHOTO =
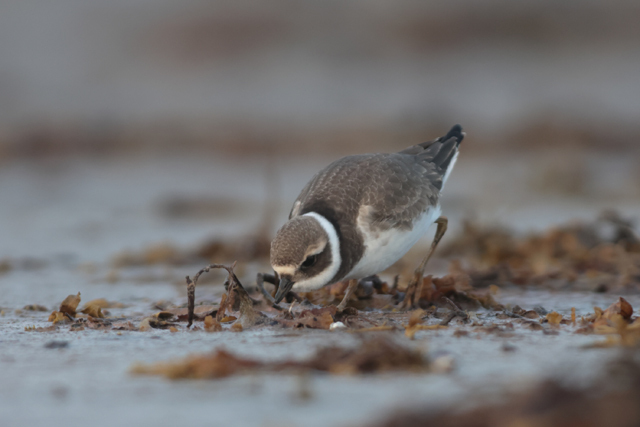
[(251, 247), (212, 325), (70, 304), (317, 318), (200, 312), (161, 253), (35, 307), (67, 310), (374, 354), (191, 289), (236, 299), (92, 310), (620, 307), (547, 404), (601, 255)]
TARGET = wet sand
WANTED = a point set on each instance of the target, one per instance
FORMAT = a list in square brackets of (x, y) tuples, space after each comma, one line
[(62, 223)]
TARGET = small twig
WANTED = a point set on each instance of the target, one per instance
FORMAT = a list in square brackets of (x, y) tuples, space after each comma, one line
[(455, 312), (517, 316), (291, 308), (450, 316), (191, 300), (452, 304)]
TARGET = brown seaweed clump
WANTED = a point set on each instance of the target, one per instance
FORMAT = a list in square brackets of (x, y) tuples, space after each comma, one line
[(601, 255), (549, 404), (374, 354)]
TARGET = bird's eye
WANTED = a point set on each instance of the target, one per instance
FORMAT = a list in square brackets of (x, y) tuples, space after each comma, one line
[(310, 261)]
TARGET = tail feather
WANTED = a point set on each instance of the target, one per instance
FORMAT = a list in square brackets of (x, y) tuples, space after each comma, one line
[(442, 151), (430, 149), (456, 133), (445, 154)]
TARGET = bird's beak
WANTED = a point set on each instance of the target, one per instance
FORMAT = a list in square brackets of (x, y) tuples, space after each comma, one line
[(283, 288)]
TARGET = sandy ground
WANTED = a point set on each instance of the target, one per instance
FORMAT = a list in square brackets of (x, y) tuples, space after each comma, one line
[(88, 381), (62, 222)]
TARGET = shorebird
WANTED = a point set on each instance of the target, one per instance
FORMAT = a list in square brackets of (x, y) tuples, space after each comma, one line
[(361, 214)]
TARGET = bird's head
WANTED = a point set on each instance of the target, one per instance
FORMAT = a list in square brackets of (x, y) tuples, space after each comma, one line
[(305, 253)]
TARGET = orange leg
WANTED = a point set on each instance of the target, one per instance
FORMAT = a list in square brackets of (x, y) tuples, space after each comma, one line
[(414, 289), (353, 284)]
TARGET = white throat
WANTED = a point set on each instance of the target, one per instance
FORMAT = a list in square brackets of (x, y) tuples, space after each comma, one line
[(324, 278)]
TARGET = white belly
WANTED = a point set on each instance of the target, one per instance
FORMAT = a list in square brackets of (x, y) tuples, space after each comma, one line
[(383, 249)]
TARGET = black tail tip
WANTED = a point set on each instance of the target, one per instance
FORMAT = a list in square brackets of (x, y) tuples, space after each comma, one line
[(455, 132)]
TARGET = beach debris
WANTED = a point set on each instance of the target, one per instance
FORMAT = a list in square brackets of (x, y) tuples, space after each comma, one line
[(161, 253), (93, 311), (56, 344), (35, 307), (545, 404), (123, 326), (103, 303), (200, 312), (211, 324), (5, 266), (67, 310), (615, 322), (337, 326), (554, 318), (621, 308), (70, 304), (236, 299), (602, 255), (253, 246), (316, 318), (191, 290), (373, 354), (155, 322)]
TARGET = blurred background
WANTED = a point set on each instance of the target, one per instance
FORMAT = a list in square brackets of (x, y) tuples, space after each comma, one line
[(124, 123), (142, 139)]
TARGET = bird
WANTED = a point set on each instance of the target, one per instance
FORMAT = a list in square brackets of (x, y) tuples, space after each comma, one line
[(361, 214)]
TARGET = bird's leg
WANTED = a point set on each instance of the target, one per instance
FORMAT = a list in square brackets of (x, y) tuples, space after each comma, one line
[(353, 284), (442, 223), (414, 289)]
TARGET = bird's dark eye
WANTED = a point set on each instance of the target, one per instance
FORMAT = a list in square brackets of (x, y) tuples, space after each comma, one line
[(310, 261)]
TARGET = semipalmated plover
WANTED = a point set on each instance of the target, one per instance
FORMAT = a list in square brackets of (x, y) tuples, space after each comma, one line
[(361, 214)]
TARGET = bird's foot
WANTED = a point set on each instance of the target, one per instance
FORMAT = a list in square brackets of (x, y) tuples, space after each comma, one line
[(413, 293)]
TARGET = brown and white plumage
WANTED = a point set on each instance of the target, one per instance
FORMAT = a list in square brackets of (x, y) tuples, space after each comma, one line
[(362, 213)]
